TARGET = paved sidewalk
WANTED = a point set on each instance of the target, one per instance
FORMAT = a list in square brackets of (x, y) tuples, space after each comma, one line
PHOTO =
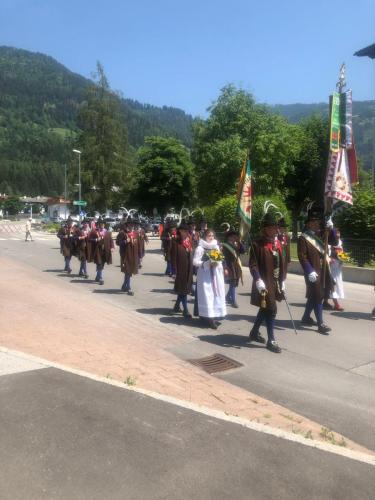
[(49, 318)]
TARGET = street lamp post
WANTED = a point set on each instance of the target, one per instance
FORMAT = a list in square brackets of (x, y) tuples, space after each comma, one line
[(79, 179)]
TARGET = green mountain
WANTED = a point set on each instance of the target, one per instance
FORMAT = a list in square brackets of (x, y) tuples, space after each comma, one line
[(39, 99), (363, 124)]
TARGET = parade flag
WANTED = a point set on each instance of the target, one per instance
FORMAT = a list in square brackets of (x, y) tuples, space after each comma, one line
[(334, 132), (342, 169), (338, 185), (244, 196), (346, 119)]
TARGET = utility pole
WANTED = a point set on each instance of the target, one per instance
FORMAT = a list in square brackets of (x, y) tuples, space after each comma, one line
[(79, 180), (65, 188)]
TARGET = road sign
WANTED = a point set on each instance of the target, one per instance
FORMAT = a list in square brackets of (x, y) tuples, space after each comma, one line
[(80, 203)]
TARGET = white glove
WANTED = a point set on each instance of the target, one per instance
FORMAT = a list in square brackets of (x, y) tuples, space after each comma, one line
[(313, 277), (329, 223), (260, 285), (283, 286)]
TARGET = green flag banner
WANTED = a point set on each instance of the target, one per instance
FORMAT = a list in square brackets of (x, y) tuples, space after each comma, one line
[(335, 122)]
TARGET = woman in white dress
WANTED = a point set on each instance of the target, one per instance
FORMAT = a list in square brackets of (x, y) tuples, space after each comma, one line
[(210, 291), (336, 272)]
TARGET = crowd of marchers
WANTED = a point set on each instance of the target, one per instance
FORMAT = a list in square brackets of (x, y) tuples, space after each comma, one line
[(211, 271)]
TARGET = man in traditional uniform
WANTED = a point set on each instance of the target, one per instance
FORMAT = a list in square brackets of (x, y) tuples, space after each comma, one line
[(169, 234), (311, 254), (142, 240), (284, 239), (268, 269), (182, 261), (101, 247), (232, 249), (82, 248), (65, 235), (128, 243)]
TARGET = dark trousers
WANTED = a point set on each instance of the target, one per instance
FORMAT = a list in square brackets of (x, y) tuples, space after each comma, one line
[(83, 267), (317, 307), (126, 287), (67, 264), (182, 299), (99, 272), (231, 295), (269, 317)]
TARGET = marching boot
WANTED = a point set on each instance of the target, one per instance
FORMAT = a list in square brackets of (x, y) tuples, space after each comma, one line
[(255, 336), (324, 329)]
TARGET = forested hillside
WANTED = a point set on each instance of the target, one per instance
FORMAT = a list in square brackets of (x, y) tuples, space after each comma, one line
[(39, 100)]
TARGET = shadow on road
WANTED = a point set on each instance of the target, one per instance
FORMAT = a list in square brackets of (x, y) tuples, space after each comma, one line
[(352, 315), (52, 270), (239, 317), (110, 291), (297, 304), (230, 340), (154, 250), (160, 311), (83, 281), (162, 290), (153, 274)]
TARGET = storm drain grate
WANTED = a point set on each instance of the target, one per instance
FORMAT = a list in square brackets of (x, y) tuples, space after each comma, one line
[(215, 363)]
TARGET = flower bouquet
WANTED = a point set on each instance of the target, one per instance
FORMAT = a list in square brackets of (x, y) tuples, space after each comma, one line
[(214, 256), (343, 257)]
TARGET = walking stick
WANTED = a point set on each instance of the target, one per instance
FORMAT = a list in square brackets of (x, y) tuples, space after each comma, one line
[(289, 311)]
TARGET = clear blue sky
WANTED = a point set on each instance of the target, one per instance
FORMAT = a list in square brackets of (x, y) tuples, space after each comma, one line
[(181, 52)]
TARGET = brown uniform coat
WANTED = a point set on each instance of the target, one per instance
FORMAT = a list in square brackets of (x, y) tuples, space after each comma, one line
[(129, 252), (261, 265), (182, 261), (311, 260), (65, 235), (100, 247), (232, 265)]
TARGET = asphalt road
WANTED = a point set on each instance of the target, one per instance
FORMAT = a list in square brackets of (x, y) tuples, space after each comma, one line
[(68, 437), (327, 379)]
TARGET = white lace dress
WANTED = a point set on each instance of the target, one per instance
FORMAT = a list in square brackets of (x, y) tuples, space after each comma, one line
[(210, 283)]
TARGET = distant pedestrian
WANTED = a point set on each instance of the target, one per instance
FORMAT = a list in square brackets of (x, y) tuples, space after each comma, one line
[(28, 229)]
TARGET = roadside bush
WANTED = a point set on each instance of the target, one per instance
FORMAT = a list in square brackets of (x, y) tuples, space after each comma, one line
[(225, 210)]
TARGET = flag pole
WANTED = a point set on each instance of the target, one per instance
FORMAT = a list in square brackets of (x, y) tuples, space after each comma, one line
[(340, 85)]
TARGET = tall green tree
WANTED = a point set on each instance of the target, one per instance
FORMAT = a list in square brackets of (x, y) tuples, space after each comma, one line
[(165, 175), (106, 156), (305, 182), (238, 124)]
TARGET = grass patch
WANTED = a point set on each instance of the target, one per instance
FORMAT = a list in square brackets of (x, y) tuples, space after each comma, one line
[(130, 380), (329, 436)]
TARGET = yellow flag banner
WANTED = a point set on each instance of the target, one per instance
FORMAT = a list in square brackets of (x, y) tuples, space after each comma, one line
[(244, 196)]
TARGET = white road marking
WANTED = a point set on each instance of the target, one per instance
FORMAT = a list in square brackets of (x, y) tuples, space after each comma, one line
[(289, 436)]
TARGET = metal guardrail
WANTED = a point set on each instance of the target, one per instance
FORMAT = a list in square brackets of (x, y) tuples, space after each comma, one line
[(361, 251)]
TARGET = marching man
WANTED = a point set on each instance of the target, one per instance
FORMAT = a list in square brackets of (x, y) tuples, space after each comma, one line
[(268, 269), (311, 254)]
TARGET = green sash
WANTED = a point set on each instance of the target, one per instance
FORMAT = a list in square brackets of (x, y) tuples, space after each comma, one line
[(234, 253), (316, 243)]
